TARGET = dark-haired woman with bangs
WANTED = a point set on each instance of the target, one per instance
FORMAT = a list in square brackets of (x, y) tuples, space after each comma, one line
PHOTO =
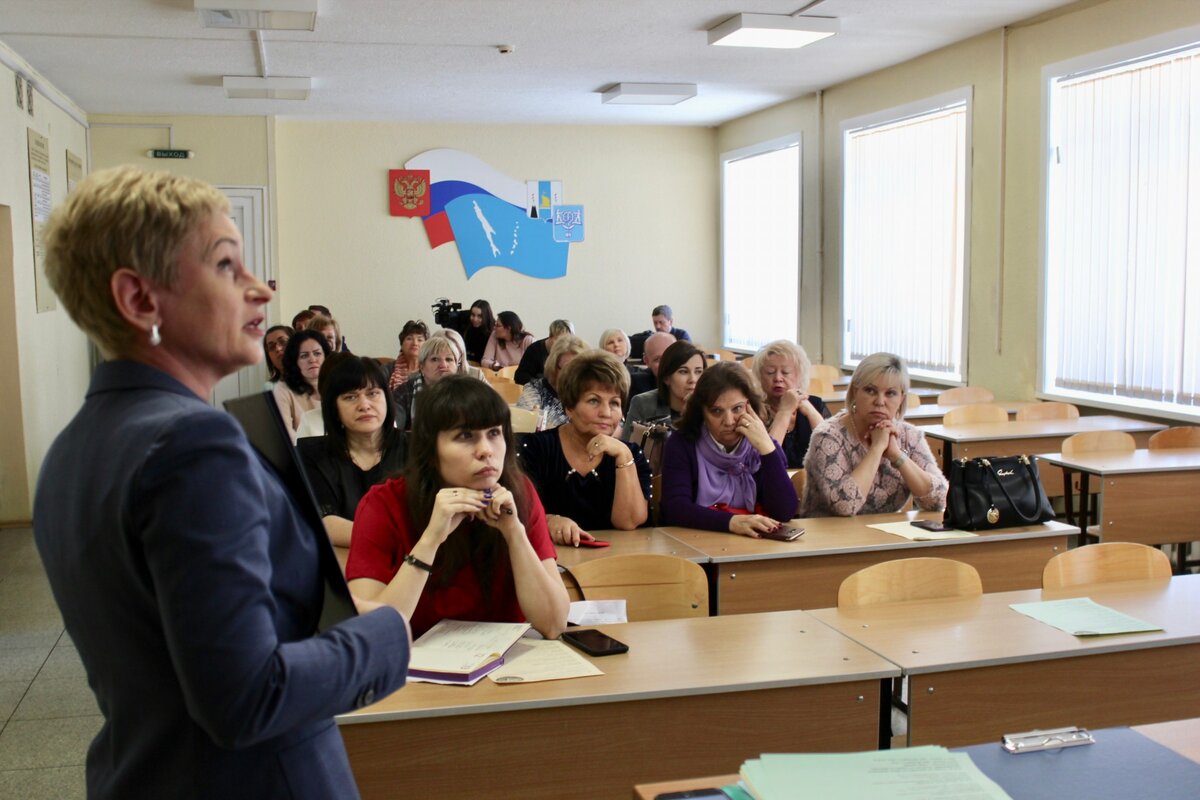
[(297, 392), (361, 446), (462, 535)]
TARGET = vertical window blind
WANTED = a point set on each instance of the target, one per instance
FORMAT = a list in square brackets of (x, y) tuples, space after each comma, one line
[(904, 240), (1122, 318), (760, 234)]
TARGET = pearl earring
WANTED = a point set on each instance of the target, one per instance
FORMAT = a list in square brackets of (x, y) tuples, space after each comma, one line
[(155, 336)]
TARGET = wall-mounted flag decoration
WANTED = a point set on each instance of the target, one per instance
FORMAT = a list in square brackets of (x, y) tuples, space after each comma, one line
[(487, 215), (568, 223), (541, 197), (408, 194)]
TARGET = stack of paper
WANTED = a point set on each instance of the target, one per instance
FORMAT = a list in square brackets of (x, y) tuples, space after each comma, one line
[(460, 652), (914, 772), (1082, 616)]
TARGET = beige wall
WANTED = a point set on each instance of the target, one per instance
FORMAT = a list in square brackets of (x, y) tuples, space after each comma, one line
[(45, 356), (650, 198), (229, 151)]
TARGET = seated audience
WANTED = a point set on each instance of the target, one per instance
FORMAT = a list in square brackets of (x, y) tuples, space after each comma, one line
[(297, 392), (664, 322), (462, 535), (721, 469), (437, 358), (533, 362), (329, 328), (782, 369), (507, 343), (412, 336), (311, 422), (460, 349), (480, 323), (867, 459), (361, 446), (588, 479), (643, 380), (615, 341), (679, 370), (541, 394), (274, 343)]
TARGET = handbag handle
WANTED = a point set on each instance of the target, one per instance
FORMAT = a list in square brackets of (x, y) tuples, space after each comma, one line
[(1038, 495)]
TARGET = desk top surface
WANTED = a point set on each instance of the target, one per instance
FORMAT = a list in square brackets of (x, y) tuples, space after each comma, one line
[(666, 658), (1128, 461), (939, 635), (1033, 429), (838, 395), (639, 541), (825, 536), (927, 410)]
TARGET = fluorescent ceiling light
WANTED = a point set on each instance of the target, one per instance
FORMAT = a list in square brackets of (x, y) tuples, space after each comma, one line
[(648, 94), (266, 88), (772, 30), (263, 15)]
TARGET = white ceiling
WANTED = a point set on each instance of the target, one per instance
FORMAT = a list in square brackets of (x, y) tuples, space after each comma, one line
[(436, 60)]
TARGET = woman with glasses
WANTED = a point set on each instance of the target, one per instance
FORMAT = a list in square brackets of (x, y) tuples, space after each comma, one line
[(274, 343)]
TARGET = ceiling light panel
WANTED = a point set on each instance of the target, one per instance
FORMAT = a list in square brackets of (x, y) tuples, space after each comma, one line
[(263, 15), (772, 30), (251, 88), (648, 94)]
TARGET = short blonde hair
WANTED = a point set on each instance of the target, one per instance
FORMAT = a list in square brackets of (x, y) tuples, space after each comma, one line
[(562, 346), (121, 217), (320, 322), (460, 347), (592, 368), (789, 350), (435, 345), (871, 368), (610, 333)]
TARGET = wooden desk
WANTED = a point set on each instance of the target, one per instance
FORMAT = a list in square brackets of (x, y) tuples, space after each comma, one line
[(836, 401), (749, 575), (1182, 736), (949, 442), (1147, 496), (641, 540), (691, 696), (932, 413), (976, 669)]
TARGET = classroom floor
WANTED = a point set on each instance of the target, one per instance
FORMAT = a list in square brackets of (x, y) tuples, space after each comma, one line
[(47, 712)]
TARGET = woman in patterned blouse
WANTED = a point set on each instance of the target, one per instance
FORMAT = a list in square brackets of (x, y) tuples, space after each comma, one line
[(867, 459)]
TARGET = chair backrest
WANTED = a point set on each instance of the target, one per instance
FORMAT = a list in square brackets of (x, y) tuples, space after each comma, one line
[(825, 371), (748, 363), (965, 394), (523, 420), (909, 579), (977, 412), (653, 586), (1104, 563), (1184, 436), (799, 479), (511, 392), (913, 401), (1093, 441), (726, 355), (1047, 411), (502, 374), (820, 387)]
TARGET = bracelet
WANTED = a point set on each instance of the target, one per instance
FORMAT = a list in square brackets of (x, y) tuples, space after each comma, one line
[(628, 463), (899, 462), (418, 563)]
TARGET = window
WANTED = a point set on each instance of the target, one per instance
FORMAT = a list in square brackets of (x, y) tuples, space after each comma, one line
[(1121, 325), (760, 243), (905, 190)]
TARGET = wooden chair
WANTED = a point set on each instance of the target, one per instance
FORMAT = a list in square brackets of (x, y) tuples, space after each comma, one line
[(909, 579), (503, 374), (1183, 436), (1105, 563), (511, 392), (965, 394), (653, 586), (976, 412), (912, 401), (748, 363), (1097, 441), (523, 420), (825, 371), (820, 387), (726, 355), (799, 479), (1047, 411)]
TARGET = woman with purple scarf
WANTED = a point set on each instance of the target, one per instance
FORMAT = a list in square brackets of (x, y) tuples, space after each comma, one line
[(722, 471)]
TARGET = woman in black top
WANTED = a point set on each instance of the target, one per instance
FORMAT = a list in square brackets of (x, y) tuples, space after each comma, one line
[(783, 369), (587, 478), (361, 446), (479, 328)]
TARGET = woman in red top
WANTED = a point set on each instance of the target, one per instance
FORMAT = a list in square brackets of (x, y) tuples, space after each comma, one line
[(463, 534)]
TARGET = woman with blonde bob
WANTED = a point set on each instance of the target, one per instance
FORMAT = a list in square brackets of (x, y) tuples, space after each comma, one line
[(783, 372), (616, 341), (188, 580), (436, 359), (541, 394), (867, 459)]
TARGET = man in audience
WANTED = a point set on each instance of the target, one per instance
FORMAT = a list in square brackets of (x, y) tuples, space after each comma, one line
[(533, 362), (643, 380), (664, 322)]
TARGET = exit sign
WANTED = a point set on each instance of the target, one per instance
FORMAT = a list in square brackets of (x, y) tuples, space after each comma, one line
[(170, 153)]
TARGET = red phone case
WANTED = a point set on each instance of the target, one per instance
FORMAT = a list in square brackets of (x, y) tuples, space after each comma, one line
[(593, 543)]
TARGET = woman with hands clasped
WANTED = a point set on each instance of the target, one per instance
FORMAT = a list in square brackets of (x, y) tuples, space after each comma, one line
[(463, 534), (867, 459), (588, 478), (782, 369), (722, 471)]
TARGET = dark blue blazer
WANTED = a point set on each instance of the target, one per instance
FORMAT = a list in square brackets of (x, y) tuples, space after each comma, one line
[(190, 585)]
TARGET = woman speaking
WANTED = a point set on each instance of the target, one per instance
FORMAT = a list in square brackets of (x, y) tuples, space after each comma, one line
[(186, 578)]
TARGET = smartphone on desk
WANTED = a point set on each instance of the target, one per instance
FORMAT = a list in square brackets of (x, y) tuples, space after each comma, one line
[(931, 525), (784, 533), (595, 643), (693, 794)]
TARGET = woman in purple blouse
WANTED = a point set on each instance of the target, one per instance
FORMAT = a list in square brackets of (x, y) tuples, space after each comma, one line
[(722, 471)]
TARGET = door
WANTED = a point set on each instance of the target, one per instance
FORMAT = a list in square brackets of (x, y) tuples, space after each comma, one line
[(247, 210)]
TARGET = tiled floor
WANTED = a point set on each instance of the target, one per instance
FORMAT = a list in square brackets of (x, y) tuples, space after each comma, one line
[(47, 712)]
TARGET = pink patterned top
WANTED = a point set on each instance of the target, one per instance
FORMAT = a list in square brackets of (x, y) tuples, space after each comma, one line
[(834, 452)]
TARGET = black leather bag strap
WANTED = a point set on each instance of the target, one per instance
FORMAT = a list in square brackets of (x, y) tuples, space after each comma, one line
[(1038, 497)]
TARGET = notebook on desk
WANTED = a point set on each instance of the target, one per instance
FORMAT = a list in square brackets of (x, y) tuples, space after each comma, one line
[(267, 434)]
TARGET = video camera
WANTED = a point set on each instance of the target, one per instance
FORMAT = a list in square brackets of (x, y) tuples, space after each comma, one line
[(450, 315)]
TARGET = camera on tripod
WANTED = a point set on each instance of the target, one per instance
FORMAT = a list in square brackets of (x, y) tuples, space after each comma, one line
[(449, 315)]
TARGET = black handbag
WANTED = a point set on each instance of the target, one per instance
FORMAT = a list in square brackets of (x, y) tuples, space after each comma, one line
[(651, 436), (988, 493)]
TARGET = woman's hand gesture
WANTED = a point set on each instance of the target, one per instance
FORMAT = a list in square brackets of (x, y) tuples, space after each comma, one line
[(500, 511), (752, 525), (564, 530), (753, 429), (601, 446), (450, 507)]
